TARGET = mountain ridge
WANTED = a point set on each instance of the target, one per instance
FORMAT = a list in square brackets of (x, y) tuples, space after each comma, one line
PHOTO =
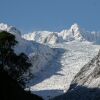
[(74, 33)]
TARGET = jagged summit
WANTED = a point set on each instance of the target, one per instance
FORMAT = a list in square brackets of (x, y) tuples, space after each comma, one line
[(76, 29), (73, 33), (75, 26)]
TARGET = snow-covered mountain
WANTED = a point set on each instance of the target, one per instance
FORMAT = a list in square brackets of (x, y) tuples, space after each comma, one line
[(74, 33), (34, 50), (56, 56), (78, 47)]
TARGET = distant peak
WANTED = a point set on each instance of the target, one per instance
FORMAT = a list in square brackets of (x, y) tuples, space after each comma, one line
[(75, 26)]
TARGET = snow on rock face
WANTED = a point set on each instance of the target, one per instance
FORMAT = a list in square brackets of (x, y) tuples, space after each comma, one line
[(74, 33), (42, 37), (34, 50)]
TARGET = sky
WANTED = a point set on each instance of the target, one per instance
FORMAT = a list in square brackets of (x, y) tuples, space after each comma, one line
[(51, 15)]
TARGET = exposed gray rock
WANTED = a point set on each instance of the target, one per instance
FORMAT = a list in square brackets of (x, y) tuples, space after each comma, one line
[(89, 75)]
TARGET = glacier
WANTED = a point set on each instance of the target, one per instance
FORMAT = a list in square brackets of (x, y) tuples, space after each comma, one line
[(86, 83)]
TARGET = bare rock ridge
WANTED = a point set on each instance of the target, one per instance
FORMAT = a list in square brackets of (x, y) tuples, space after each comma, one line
[(89, 75)]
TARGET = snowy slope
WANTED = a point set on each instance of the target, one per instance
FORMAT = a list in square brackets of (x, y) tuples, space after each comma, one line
[(57, 77), (34, 50), (86, 83)]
